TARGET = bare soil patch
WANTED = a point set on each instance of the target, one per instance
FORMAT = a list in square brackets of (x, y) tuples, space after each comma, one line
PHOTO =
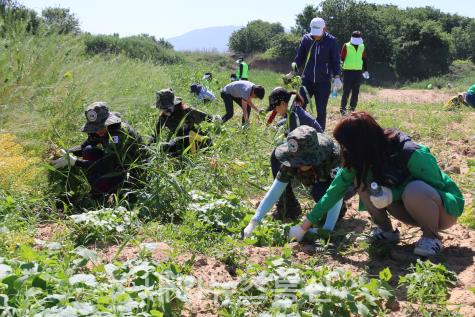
[(412, 96)]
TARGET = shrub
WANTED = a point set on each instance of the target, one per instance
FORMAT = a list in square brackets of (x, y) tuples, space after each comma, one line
[(60, 20), (255, 37), (141, 47), (284, 46)]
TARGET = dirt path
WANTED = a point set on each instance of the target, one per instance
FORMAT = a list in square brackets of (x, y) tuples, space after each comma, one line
[(414, 96)]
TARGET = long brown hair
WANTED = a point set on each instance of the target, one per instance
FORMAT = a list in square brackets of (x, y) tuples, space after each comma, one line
[(364, 143)]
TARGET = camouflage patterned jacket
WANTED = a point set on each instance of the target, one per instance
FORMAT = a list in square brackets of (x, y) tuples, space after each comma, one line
[(122, 149), (180, 122)]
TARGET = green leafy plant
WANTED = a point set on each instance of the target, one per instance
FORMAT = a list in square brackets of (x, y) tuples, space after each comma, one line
[(270, 233), (104, 225), (279, 288), (220, 212), (428, 282), (61, 283)]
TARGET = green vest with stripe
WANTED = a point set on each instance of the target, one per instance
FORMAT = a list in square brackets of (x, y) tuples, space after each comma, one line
[(244, 70), (354, 58)]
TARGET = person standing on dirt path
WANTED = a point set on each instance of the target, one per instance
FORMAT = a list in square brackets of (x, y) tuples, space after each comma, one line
[(319, 58), (393, 175), (353, 56), (242, 69), (308, 156), (182, 122), (242, 92), (111, 155)]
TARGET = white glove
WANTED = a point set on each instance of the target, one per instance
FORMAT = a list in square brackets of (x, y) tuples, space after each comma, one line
[(337, 83), (217, 119), (250, 228), (296, 233), (294, 67), (366, 75), (383, 200), (66, 160)]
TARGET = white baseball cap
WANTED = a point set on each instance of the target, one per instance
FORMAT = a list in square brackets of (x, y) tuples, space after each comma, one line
[(316, 26)]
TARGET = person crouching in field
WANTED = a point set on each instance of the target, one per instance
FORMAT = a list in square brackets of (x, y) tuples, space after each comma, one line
[(242, 92), (288, 104), (182, 122), (308, 156), (412, 188), (202, 93), (111, 155), (469, 96)]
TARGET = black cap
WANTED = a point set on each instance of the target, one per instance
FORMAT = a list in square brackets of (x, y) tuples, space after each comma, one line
[(277, 95), (195, 88)]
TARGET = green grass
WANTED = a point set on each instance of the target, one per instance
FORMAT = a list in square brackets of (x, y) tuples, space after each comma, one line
[(461, 76), (47, 82)]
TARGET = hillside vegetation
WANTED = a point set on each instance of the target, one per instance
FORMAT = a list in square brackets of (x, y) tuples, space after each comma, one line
[(62, 254)]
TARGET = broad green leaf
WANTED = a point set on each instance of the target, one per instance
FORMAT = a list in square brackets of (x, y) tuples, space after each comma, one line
[(362, 310), (385, 275), (86, 254), (5, 270), (39, 282), (86, 279), (156, 313)]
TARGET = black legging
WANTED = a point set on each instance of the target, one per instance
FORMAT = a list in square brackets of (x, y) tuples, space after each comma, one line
[(228, 104), (351, 83), (101, 171)]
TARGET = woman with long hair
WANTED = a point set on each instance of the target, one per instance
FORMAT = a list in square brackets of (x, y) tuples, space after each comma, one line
[(393, 175)]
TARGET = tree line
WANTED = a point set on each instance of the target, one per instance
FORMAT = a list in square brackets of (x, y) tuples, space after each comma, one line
[(16, 18), (408, 44)]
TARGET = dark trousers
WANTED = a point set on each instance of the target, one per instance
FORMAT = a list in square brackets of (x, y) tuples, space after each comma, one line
[(318, 189), (470, 98), (321, 92), (351, 84), (101, 173), (178, 145), (228, 104)]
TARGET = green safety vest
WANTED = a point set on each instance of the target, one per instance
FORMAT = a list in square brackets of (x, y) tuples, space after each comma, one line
[(354, 58), (244, 70)]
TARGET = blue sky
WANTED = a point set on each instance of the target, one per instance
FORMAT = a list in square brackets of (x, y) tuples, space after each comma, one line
[(175, 17)]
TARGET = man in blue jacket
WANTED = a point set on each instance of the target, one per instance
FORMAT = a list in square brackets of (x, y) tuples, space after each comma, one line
[(318, 57)]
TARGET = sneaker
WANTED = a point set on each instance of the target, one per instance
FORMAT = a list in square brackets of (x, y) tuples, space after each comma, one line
[(377, 234), (427, 247)]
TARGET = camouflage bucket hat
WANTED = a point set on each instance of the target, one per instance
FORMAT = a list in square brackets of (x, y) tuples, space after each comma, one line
[(166, 99), (304, 146), (99, 117)]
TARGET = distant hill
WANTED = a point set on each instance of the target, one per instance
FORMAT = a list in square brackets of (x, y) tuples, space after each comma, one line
[(212, 38)]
